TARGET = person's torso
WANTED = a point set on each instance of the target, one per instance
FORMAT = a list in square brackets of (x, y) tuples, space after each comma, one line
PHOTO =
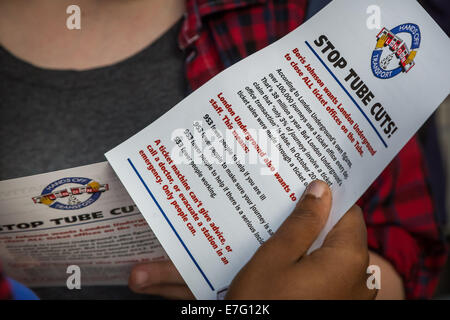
[(53, 119)]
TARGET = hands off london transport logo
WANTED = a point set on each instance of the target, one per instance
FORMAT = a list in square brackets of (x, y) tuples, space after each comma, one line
[(395, 50), (71, 193)]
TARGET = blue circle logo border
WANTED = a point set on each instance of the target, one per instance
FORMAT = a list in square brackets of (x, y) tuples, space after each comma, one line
[(376, 54)]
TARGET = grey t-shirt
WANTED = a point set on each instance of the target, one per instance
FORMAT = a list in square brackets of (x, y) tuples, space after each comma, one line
[(53, 119)]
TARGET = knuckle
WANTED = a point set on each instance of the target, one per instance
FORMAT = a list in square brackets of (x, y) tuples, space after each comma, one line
[(152, 271), (357, 215), (309, 216), (361, 258), (133, 285)]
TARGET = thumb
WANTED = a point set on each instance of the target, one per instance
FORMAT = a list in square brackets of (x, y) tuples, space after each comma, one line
[(349, 233), (301, 228)]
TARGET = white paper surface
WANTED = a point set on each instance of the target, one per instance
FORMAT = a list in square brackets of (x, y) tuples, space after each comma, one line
[(51, 221), (211, 218)]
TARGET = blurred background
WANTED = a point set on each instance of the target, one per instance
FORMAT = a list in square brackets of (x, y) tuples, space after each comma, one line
[(440, 11), (440, 122)]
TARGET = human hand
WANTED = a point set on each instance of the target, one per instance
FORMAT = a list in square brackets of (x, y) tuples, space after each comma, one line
[(280, 268), (159, 278)]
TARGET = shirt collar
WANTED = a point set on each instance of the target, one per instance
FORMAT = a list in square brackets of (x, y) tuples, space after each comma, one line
[(198, 9)]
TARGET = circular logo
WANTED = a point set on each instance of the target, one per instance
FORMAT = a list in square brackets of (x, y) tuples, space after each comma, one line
[(395, 50), (71, 193)]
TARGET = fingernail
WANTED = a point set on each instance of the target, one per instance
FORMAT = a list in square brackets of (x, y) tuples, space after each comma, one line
[(140, 277), (316, 189)]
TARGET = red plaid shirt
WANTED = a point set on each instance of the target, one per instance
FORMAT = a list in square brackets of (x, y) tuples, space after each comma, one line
[(398, 208)]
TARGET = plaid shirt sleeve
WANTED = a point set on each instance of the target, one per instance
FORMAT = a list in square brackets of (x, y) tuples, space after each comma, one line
[(401, 222), (398, 208)]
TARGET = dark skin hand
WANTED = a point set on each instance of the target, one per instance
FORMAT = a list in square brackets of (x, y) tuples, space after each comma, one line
[(280, 268)]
